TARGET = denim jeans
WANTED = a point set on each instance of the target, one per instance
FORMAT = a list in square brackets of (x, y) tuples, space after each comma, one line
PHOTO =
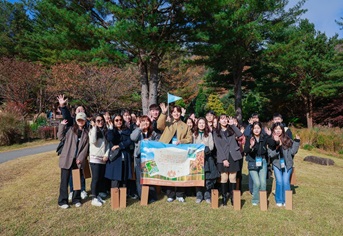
[(259, 178), (282, 177)]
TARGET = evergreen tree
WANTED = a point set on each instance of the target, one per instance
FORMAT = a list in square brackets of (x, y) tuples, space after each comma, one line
[(231, 34), (214, 104), (302, 69)]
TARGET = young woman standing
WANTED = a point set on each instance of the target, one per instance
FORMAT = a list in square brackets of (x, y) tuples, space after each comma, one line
[(145, 131), (281, 150), (228, 154), (256, 156), (175, 132), (98, 156), (73, 156), (203, 135), (119, 169)]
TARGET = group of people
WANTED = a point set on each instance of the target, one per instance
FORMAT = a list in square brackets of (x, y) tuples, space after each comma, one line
[(113, 146)]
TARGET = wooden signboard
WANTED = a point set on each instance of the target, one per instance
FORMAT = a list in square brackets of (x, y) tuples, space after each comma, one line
[(236, 200), (289, 200), (263, 201), (144, 195), (115, 198), (214, 198), (76, 179), (122, 197)]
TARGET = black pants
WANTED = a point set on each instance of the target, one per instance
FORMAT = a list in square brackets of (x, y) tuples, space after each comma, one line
[(175, 191), (65, 175), (98, 179)]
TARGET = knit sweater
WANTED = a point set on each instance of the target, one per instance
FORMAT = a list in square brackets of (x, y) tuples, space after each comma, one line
[(98, 148)]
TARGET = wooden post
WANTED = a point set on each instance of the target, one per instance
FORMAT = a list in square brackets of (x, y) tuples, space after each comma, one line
[(263, 201), (214, 198), (293, 177), (76, 179), (122, 197), (87, 172), (144, 195), (236, 200), (289, 200), (115, 198)]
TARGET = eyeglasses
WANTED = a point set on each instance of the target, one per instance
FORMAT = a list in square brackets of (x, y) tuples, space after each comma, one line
[(117, 120), (98, 121)]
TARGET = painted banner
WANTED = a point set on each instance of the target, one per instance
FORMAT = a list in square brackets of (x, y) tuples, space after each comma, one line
[(172, 165)]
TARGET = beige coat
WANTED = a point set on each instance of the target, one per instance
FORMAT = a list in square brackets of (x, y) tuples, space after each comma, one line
[(183, 133), (69, 148)]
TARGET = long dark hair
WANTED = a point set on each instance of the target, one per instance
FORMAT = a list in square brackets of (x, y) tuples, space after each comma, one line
[(123, 125), (150, 128), (100, 132), (286, 141), (206, 130), (228, 127), (252, 128), (193, 127)]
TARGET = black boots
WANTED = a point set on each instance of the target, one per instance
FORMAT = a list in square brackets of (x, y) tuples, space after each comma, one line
[(224, 193), (232, 187)]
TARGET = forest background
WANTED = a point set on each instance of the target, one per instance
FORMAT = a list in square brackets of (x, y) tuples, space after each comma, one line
[(230, 56)]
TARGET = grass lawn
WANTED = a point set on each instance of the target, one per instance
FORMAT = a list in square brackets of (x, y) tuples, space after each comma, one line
[(29, 191)]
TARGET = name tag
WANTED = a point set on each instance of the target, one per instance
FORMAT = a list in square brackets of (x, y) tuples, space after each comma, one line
[(258, 161), (282, 163), (174, 140)]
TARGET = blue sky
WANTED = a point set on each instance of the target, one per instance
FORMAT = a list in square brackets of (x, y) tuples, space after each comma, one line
[(323, 13)]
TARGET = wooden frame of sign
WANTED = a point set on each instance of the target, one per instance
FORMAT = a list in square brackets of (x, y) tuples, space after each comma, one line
[(237, 200), (263, 201), (115, 198), (144, 195), (289, 200), (87, 171), (122, 197), (76, 179), (214, 198)]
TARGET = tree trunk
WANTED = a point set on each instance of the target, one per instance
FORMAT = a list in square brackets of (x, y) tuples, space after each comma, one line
[(145, 87), (309, 113), (237, 78), (154, 80)]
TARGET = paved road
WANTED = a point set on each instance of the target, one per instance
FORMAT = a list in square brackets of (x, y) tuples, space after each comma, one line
[(11, 155)]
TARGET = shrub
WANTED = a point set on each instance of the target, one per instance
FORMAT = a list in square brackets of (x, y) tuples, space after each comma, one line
[(308, 147), (328, 139), (12, 128)]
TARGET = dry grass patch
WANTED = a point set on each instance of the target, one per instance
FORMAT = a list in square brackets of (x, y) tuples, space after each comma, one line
[(29, 192)]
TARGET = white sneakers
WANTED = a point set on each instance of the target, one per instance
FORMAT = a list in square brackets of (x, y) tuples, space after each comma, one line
[(84, 194), (96, 202), (279, 204), (169, 199), (197, 201), (180, 199), (78, 204), (64, 206)]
